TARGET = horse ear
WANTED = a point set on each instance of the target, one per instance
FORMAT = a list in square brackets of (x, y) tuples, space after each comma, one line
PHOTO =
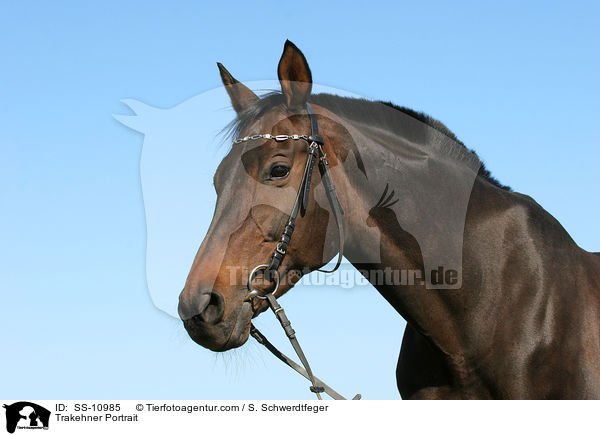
[(240, 95), (294, 76)]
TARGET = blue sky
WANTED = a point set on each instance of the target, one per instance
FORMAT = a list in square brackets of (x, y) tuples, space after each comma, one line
[(516, 82)]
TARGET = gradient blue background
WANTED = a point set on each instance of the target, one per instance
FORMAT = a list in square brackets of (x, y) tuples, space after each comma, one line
[(517, 82)]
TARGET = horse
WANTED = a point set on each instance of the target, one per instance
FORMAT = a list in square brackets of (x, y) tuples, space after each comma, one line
[(501, 303)]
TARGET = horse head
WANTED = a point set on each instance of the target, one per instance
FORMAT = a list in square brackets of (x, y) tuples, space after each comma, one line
[(257, 184)]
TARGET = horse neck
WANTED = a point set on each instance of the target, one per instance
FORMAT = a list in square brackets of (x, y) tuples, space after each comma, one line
[(380, 245), (508, 254)]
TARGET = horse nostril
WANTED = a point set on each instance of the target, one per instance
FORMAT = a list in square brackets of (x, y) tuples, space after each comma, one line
[(213, 312), (205, 306), (194, 306)]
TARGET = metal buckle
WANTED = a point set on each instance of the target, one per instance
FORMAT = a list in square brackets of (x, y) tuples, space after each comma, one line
[(254, 293), (280, 250)]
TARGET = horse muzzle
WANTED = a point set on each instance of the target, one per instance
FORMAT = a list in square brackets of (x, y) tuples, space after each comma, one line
[(203, 316)]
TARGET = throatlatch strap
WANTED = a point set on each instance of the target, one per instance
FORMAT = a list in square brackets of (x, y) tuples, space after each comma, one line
[(328, 184), (336, 209)]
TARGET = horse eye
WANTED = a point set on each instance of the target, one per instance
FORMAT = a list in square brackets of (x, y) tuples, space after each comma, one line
[(279, 172)]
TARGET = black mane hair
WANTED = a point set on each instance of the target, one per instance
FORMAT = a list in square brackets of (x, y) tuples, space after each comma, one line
[(353, 108)]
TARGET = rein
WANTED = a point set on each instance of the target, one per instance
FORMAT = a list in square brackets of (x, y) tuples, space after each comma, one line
[(270, 269)]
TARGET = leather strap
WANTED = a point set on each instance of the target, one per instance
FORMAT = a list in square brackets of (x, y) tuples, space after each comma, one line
[(332, 197), (261, 339), (286, 236), (291, 334), (336, 208)]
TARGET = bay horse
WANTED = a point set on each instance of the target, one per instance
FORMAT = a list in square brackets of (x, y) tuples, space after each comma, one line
[(519, 314)]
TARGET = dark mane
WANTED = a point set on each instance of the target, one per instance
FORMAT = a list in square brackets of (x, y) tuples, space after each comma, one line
[(352, 108)]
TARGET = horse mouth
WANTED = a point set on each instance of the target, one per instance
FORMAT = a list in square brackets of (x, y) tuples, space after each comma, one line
[(230, 333), (241, 329)]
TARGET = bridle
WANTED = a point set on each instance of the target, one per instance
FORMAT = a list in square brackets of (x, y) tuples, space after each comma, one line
[(270, 269)]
